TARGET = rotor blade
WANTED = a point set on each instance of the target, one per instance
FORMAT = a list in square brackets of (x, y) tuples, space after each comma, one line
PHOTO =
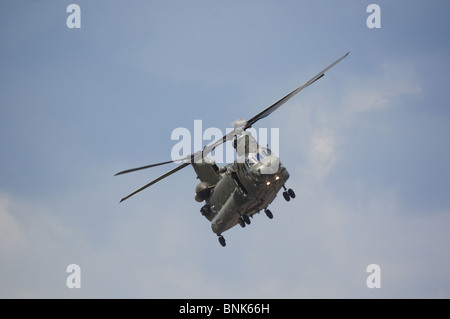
[(200, 155), (279, 103), (195, 157), (152, 165), (209, 148), (176, 169), (239, 129)]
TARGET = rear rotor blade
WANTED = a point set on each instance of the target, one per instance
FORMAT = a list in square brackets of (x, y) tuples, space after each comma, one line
[(152, 165), (176, 169)]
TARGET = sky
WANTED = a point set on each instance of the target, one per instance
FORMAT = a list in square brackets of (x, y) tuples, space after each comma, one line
[(366, 147)]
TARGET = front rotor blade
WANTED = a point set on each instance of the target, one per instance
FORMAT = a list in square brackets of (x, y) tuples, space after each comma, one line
[(279, 103), (176, 169)]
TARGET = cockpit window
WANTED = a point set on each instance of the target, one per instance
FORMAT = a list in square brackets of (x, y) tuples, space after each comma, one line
[(255, 158), (251, 160), (265, 152)]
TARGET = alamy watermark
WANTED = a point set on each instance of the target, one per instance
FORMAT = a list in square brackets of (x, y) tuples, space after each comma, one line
[(74, 279), (374, 279), (223, 153), (73, 21), (374, 19)]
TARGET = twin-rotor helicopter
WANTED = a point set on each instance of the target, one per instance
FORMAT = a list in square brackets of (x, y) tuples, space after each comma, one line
[(234, 193)]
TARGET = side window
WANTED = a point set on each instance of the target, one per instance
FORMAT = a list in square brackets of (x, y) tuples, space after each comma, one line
[(250, 161), (266, 152)]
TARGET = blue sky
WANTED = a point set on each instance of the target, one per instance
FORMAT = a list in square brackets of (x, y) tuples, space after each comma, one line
[(366, 147)]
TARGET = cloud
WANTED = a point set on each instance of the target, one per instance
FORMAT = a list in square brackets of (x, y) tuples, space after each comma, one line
[(12, 238), (35, 248), (145, 253), (329, 241), (320, 123), (394, 80), (340, 221), (322, 153)]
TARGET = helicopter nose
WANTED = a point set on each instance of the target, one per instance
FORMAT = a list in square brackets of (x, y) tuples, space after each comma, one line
[(270, 165)]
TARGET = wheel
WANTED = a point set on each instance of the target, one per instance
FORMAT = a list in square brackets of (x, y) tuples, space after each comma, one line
[(286, 196), (268, 213), (222, 241), (205, 210), (241, 222), (246, 219), (291, 193)]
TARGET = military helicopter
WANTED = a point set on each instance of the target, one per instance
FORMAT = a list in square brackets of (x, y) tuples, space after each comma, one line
[(235, 192)]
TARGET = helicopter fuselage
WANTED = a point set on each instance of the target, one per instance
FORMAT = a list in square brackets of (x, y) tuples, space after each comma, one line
[(242, 188)]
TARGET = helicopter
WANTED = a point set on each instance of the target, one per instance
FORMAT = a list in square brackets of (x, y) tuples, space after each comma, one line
[(234, 193)]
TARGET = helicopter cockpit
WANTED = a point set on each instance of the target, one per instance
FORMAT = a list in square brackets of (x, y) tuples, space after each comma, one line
[(262, 162), (255, 158)]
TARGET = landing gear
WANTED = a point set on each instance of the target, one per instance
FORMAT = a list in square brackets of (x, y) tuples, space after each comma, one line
[(268, 213), (288, 194), (222, 241), (246, 219), (291, 193), (241, 222), (206, 211)]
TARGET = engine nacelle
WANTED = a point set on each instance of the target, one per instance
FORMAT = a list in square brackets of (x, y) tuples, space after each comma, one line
[(202, 191)]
